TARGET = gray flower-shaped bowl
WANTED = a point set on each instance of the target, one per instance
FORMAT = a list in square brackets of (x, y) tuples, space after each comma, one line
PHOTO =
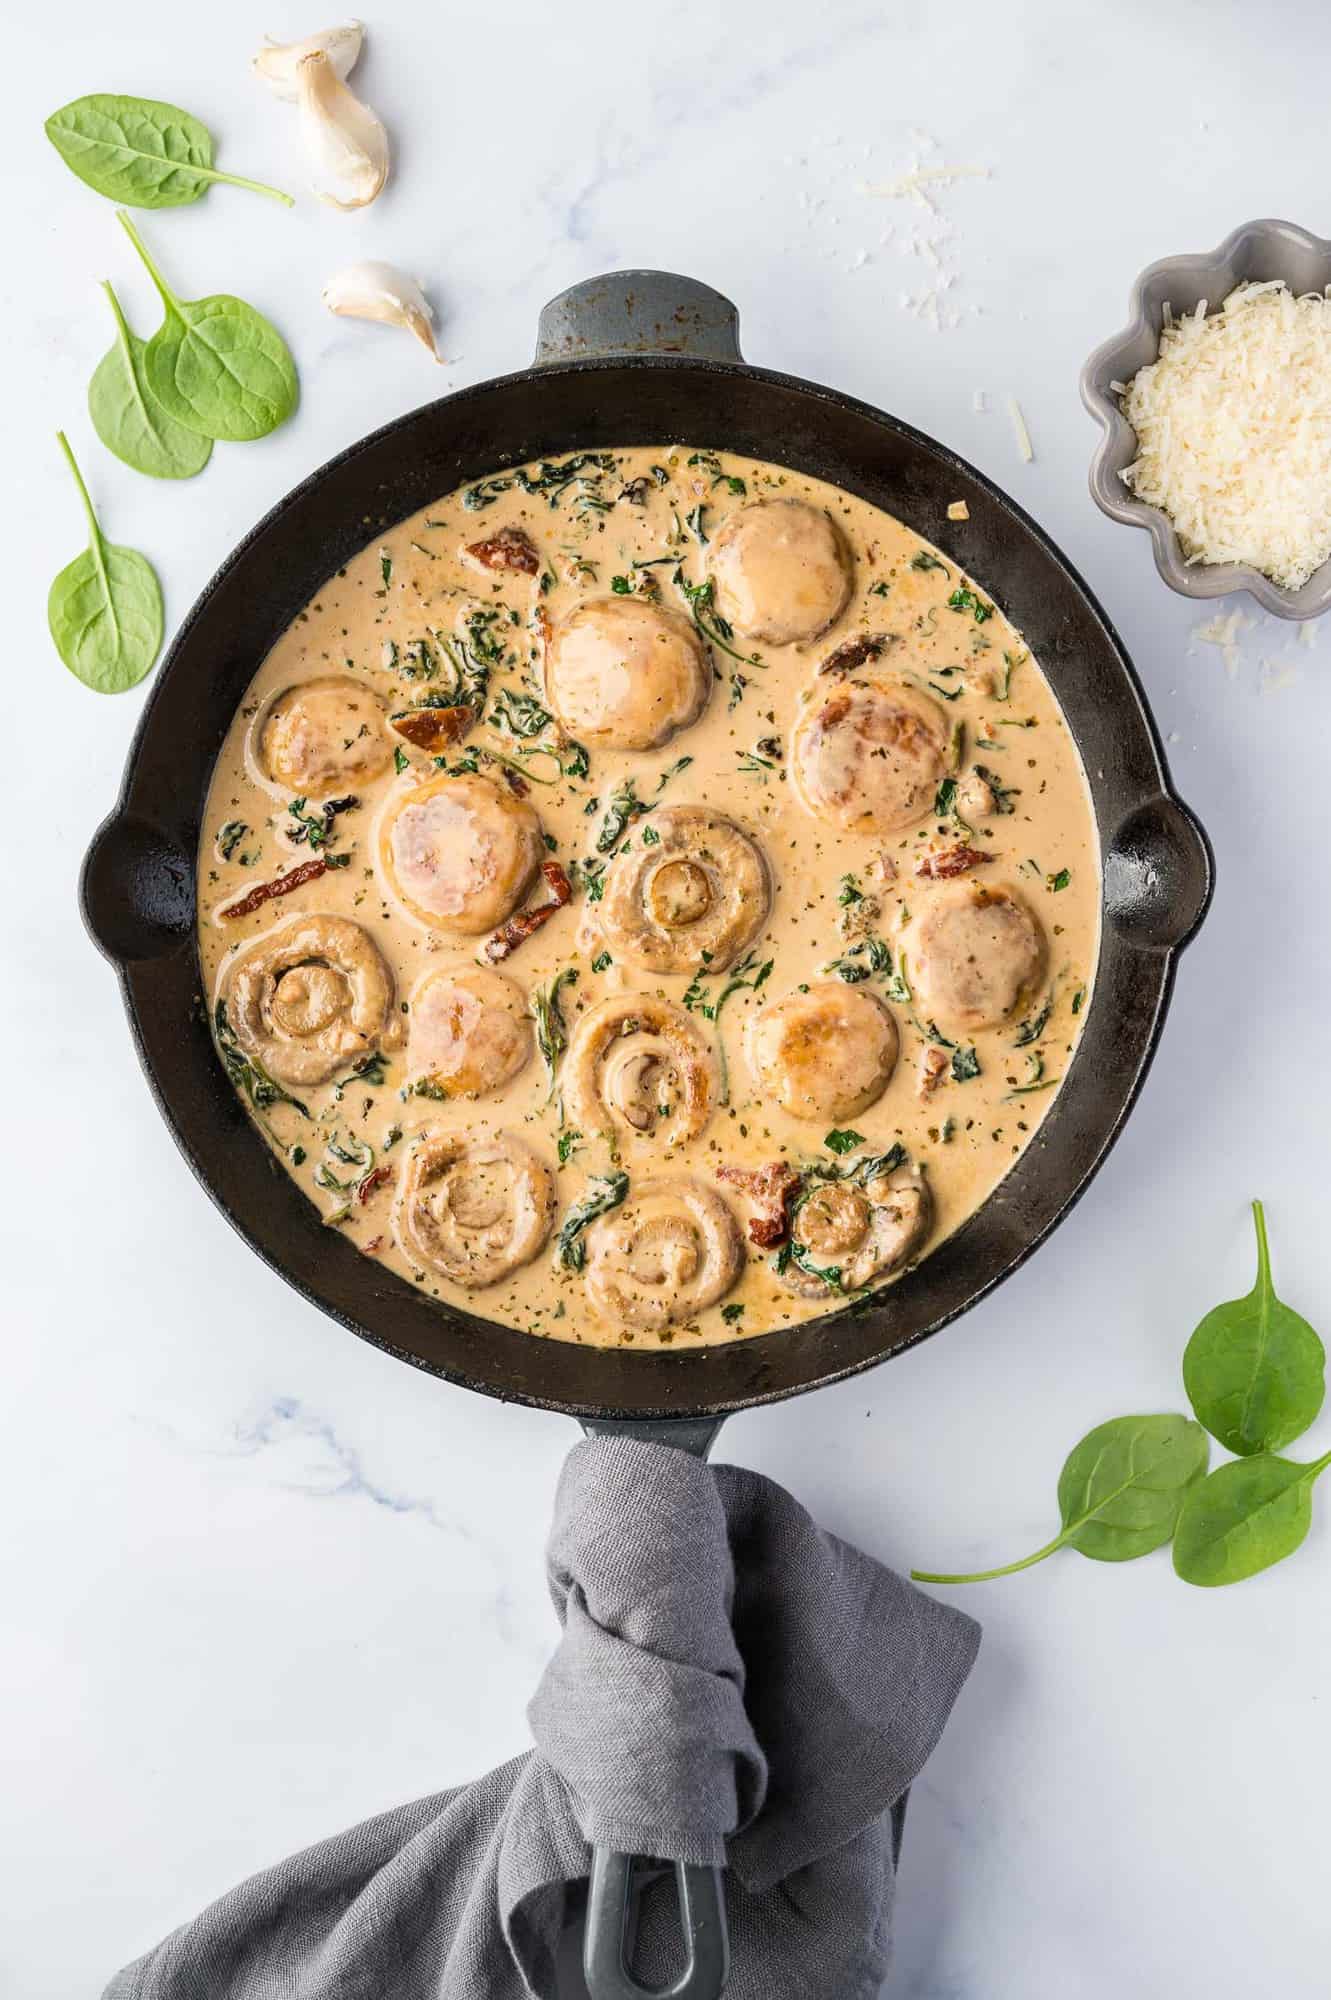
[(1258, 251)]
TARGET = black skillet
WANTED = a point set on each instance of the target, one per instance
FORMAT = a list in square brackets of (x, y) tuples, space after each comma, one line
[(635, 358)]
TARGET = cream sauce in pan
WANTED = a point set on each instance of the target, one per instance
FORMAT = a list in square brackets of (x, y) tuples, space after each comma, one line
[(834, 906)]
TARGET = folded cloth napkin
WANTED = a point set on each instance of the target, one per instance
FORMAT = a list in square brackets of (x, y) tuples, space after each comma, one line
[(732, 1684)]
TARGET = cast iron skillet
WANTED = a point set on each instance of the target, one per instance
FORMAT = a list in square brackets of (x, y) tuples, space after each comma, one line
[(635, 358)]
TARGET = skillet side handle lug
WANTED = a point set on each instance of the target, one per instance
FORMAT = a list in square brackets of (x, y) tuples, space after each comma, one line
[(616, 1878), (1159, 875), (611, 1915), (638, 312), (136, 890)]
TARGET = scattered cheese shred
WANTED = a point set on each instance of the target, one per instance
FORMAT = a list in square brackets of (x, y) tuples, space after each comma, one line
[(1023, 436), (1223, 633), (1233, 426), (958, 511), (918, 182)]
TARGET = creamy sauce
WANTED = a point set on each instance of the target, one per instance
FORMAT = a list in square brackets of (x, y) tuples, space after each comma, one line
[(845, 898)]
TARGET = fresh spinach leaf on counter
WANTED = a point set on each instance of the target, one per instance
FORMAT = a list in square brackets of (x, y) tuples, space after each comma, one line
[(1120, 1493), (216, 366), (141, 151), (1254, 1369), (604, 1192), (1247, 1515), (128, 418), (104, 609)]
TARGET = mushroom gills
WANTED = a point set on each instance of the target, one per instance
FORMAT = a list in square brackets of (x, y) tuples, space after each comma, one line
[(668, 1253)]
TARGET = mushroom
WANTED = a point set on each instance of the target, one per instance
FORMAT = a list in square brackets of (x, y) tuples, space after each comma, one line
[(309, 997), (826, 1052), (459, 853), (668, 1253), (782, 571), (624, 674), (867, 756), (698, 896), (473, 1210), (320, 737), (638, 1069), (471, 1031), (975, 955), (862, 1233)]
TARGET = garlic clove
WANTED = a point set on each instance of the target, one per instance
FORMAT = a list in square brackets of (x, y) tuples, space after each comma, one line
[(276, 62), (346, 142), (381, 292)]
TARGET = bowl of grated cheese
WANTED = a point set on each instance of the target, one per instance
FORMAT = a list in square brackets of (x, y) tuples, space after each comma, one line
[(1215, 403)]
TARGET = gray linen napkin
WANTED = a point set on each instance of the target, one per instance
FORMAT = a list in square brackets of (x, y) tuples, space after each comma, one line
[(732, 1684)]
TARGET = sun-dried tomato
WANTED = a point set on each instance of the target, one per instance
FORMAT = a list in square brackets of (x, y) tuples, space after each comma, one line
[(522, 926), (282, 885), (511, 548), (434, 729), (951, 861), (771, 1190)]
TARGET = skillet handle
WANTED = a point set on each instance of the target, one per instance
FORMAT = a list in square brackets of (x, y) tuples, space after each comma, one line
[(1159, 875), (611, 1901), (638, 312)]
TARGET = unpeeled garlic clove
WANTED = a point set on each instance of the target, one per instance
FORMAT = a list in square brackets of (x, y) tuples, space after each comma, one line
[(345, 141), (277, 62), (381, 292)]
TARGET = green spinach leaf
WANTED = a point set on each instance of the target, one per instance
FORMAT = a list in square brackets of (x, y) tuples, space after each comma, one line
[(1119, 1494), (1249, 1514), (1254, 1369), (604, 1192), (128, 418), (215, 365), (105, 608), (140, 151)]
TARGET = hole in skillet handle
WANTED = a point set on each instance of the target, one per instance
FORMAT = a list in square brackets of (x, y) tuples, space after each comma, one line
[(617, 1879), (1159, 875), (136, 891)]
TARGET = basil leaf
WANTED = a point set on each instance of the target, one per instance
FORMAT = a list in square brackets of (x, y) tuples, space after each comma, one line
[(1254, 1369), (105, 608), (216, 365), (1119, 1493), (1249, 1514), (140, 151), (128, 418)]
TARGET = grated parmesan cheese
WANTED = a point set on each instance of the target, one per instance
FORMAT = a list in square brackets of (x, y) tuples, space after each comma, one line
[(958, 511), (1233, 426)]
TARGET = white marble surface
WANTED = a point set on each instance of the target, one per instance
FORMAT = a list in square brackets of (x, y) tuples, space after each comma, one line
[(256, 1579)]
